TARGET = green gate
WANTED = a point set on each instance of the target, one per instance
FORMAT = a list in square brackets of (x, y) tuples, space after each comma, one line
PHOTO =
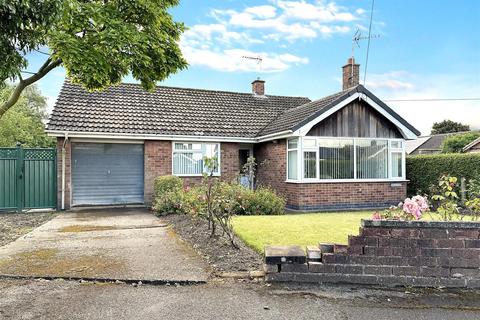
[(27, 178)]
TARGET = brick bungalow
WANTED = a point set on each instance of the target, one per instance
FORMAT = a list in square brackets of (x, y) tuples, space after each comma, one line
[(343, 151)]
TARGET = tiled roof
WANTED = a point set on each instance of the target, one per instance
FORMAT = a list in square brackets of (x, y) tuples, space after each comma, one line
[(129, 109)]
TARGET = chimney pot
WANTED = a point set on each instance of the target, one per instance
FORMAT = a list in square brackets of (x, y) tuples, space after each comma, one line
[(351, 74), (258, 87)]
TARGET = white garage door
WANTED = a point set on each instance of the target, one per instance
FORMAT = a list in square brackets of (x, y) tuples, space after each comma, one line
[(106, 173)]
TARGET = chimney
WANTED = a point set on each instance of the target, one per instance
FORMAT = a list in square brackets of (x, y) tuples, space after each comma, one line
[(258, 87), (351, 74)]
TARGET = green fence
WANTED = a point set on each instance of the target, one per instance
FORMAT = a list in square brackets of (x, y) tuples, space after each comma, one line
[(27, 178)]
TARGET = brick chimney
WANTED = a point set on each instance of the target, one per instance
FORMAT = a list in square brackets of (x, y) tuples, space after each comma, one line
[(258, 87), (351, 74)]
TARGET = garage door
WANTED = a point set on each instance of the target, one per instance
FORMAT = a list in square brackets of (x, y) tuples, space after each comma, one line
[(105, 173)]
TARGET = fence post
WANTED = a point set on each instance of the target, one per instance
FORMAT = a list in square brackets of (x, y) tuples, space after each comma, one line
[(462, 190), (20, 178)]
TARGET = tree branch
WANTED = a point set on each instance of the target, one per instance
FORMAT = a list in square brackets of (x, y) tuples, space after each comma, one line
[(23, 83)]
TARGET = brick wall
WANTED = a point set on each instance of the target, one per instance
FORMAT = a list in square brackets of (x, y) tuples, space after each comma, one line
[(158, 162), (392, 253), (322, 196), (68, 172)]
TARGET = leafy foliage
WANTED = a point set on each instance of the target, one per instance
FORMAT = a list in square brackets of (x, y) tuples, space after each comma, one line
[(97, 42), (447, 199), (24, 122), (262, 201), (455, 143), (423, 170), (448, 126)]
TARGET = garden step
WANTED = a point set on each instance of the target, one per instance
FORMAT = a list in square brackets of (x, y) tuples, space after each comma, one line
[(284, 255)]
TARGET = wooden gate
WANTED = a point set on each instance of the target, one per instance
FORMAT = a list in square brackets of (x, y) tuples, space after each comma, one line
[(27, 178)]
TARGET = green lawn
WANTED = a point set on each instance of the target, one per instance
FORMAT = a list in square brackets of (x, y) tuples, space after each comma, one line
[(300, 229)]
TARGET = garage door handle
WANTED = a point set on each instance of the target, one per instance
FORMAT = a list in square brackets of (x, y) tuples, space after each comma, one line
[(108, 171)]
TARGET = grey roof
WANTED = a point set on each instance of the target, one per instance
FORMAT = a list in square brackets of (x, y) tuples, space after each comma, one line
[(433, 143), (128, 108), (295, 118), (471, 144)]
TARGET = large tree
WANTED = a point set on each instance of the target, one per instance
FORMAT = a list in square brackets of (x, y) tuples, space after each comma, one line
[(449, 126), (24, 122), (97, 42)]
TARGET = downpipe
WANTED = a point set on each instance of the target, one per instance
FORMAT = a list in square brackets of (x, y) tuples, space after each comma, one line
[(63, 169)]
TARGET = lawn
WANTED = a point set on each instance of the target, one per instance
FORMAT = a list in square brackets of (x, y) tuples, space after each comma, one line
[(300, 229)]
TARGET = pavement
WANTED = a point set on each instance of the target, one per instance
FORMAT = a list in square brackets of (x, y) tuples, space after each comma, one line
[(123, 244), (21, 299)]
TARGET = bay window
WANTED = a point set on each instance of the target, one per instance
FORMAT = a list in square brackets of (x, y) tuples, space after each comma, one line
[(344, 159), (188, 157)]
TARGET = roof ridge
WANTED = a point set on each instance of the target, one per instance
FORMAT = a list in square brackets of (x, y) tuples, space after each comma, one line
[(195, 89)]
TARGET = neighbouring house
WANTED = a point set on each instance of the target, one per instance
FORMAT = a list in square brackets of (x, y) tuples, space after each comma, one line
[(428, 144), (473, 147), (343, 151)]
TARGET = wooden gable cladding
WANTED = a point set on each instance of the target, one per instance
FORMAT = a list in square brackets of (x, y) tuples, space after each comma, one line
[(356, 119)]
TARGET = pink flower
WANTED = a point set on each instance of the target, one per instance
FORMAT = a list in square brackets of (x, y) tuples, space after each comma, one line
[(421, 202), (376, 216), (411, 207)]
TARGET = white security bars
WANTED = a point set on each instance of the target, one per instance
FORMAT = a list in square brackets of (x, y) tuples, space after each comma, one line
[(321, 159), (188, 157)]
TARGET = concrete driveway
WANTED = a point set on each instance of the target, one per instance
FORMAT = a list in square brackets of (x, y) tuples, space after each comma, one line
[(123, 244)]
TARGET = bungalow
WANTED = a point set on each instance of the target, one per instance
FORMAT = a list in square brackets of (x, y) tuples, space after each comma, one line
[(343, 151)]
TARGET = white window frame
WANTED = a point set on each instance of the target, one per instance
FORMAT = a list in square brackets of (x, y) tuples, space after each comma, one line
[(300, 160), (216, 174)]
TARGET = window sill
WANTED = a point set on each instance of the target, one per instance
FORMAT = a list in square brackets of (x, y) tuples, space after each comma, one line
[(348, 181), (193, 175)]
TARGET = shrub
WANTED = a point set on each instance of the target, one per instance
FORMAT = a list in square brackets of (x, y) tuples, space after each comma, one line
[(456, 143), (164, 184), (423, 170), (262, 201), (169, 197)]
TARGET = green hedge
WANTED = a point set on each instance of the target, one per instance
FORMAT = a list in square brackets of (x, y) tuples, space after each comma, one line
[(423, 171)]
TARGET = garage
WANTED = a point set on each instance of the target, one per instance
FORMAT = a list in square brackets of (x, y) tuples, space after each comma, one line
[(107, 174)]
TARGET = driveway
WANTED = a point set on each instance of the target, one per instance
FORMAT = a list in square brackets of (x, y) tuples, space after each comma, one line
[(119, 244)]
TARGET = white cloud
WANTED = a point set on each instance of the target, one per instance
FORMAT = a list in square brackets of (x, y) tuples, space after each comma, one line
[(394, 80), (232, 60), (236, 33)]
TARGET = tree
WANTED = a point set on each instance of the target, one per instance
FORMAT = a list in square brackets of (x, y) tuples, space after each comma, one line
[(455, 143), (97, 42), (24, 122), (448, 126)]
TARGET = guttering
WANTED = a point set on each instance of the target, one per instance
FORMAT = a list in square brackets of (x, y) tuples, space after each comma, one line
[(134, 136), (65, 135)]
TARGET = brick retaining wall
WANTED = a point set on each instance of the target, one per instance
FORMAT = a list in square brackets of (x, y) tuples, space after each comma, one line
[(390, 253)]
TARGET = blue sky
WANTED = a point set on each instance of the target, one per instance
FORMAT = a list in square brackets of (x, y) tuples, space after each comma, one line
[(426, 49)]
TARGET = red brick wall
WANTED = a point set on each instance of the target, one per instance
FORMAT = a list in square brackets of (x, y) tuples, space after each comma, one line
[(68, 171), (322, 196), (158, 162)]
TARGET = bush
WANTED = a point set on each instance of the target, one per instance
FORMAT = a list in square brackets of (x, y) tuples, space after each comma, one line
[(456, 143), (262, 201), (423, 171), (164, 184)]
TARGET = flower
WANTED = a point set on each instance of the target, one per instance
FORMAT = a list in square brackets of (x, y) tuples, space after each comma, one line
[(411, 207), (376, 216), (421, 202)]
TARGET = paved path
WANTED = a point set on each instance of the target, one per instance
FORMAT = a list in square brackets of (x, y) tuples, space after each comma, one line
[(111, 244), (72, 300)]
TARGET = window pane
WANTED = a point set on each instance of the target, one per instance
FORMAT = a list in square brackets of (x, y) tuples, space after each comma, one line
[(292, 165), (310, 165), (336, 159), (397, 171), (292, 144), (309, 143), (187, 163), (396, 144), (372, 159), (188, 159)]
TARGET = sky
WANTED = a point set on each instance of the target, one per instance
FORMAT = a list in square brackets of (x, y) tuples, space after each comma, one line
[(427, 49)]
